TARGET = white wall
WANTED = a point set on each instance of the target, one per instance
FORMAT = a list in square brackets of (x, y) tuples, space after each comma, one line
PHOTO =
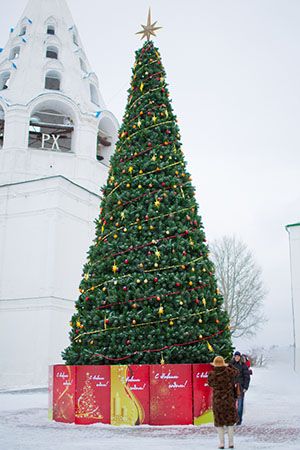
[(46, 228), (294, 235)]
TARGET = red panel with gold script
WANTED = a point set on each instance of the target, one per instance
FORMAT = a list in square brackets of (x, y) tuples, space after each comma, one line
[(92, 394), (202, 394), (64, 393), (171, 396)]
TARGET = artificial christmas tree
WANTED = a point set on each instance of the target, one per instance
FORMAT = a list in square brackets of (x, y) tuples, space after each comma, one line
[(148, 293)]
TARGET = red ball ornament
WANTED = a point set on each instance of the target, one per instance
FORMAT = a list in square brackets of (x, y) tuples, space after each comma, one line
[(155, 280), (178, 284), (128, 342), (197, 301), (158, 299), (149, 253), (126, 261), (184, 253), (106, 321), (76, 331), (124, 288), (163, 184), (87, 299), (146, 217), (186, 231), (149, 143)]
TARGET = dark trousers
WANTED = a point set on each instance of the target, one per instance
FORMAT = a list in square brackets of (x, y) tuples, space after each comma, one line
[(240, 408)]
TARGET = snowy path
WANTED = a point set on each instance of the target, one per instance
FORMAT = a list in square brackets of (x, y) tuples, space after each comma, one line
[(272, 420)]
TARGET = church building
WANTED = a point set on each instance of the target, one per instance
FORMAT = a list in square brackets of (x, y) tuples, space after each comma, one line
[(56, 139)]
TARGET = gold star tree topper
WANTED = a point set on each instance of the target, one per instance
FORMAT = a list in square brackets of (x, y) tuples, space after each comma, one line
[(149, 29)]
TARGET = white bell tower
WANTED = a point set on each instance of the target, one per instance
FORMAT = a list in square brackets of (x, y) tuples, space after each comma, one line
[(56, 139)]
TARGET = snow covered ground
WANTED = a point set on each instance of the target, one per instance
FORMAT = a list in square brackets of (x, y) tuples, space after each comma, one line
[(271, 421)]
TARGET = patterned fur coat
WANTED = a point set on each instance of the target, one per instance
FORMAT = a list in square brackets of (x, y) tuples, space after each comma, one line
[(221, 379)]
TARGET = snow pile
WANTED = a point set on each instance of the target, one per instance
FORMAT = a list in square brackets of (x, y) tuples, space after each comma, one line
[(271, 420)]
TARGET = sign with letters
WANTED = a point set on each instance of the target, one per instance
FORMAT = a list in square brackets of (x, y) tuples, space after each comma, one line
[(171, 394), (54, 139)]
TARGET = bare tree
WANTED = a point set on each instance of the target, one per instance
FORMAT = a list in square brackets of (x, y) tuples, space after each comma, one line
[(240, 282)]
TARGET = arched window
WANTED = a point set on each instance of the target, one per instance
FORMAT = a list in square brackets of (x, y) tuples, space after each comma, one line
[(52, 52), (107, 135), (4, 80), (50, 129), (1, 126), (14, 53), (51, 29), (52, 80), (82, 65), (94, 94), (23, 31)]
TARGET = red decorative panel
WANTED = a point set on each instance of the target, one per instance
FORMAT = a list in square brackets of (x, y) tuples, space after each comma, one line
[(171, 394), (64, 393), (202, 394), (92, 394)]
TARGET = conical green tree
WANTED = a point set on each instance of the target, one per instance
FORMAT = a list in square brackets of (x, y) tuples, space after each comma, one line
[(148, 289)]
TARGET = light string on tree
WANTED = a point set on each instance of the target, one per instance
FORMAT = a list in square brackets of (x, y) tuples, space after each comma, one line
[(148, 194), (149, 244), (143, 95), (148, 128), (145, 65), (104, 220), (166, 347), (146, 220), (158, 169), (129, 158), (151, 297), (113, 280), (175, 266), (143, 324), (160, 105)]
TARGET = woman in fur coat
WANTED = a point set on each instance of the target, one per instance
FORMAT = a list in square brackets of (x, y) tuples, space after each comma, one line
[(221, 379)]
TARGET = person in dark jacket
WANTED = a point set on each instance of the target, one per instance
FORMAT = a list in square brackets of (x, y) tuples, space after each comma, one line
[(242, 382), (221, 379)]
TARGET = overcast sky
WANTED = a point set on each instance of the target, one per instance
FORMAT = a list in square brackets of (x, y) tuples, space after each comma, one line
[(233, 71)]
